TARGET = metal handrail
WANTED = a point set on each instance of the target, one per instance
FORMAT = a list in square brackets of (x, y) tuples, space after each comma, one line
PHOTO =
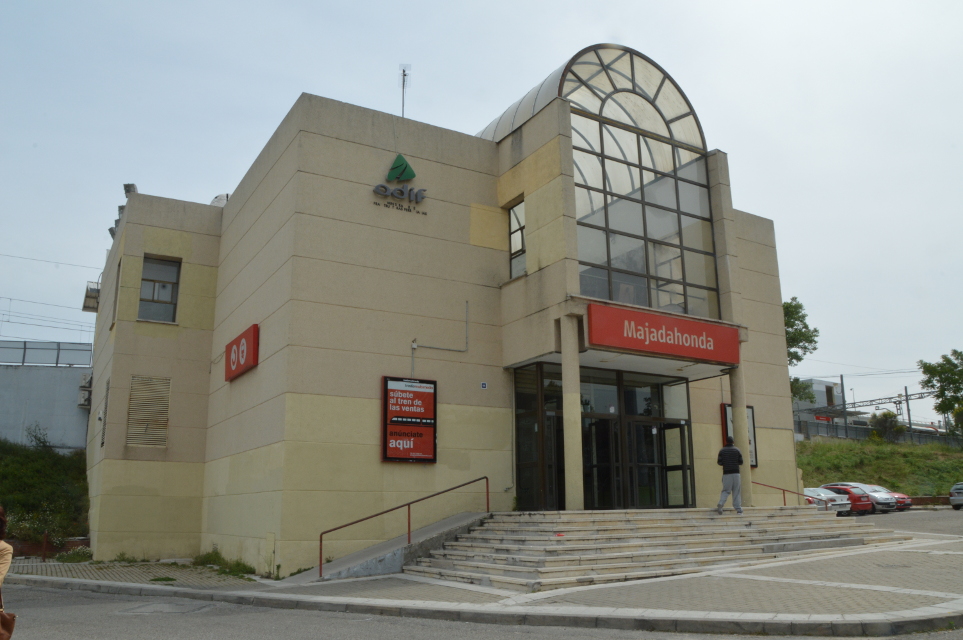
[(790, 491), (488, 506)]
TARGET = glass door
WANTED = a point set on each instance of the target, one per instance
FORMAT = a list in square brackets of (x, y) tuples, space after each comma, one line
[(643, 465), (678, 468)]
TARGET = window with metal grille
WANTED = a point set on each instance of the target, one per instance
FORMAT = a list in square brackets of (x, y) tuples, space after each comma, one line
[(516, 239), (158, 290), (148, 410), (103, 418)]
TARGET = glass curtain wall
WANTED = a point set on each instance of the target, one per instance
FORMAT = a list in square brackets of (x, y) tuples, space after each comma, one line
[(642, 197)]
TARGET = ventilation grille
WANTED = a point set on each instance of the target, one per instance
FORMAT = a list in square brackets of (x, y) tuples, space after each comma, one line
[(103, 417), (147, 414)]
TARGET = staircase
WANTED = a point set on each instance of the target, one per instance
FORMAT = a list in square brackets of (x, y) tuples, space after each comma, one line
[(538, 551)]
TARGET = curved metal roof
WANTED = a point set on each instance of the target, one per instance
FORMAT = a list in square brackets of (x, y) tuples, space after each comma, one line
[(608, 80)]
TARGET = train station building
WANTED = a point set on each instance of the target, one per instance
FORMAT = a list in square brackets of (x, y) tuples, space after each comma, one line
[(567, 303)]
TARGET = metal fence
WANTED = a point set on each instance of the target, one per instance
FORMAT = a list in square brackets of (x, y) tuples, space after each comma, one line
[(58, 354), (811, 428)]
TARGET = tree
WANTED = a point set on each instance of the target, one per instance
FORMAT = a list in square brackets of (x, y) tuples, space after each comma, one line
[(802, 390), (886, 425), (801, 340), (945, 377)]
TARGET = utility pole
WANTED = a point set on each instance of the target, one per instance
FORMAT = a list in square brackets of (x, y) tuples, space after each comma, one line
[(842, 384), (909, 416)]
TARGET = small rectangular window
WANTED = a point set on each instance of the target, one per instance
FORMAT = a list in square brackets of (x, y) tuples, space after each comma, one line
[(516, 239), (158, 290)]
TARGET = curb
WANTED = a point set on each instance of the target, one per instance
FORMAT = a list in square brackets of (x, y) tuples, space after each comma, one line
[(696, 622)]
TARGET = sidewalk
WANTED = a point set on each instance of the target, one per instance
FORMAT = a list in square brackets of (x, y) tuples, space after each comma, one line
[(878, 590)]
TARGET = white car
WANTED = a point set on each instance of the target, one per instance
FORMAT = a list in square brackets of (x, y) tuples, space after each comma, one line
[(956, 496), (826, 500)]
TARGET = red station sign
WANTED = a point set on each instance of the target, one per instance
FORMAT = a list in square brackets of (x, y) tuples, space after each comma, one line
[(408, 420), (644, 332), (240, 354)]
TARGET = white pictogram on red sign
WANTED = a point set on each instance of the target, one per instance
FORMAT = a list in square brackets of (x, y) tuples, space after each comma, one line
[(243, 351), (234, 357)]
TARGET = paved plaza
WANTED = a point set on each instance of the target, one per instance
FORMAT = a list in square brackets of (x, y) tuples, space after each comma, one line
[(874, 590)]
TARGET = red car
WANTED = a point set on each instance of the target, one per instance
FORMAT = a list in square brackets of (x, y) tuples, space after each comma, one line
[(859, 502)]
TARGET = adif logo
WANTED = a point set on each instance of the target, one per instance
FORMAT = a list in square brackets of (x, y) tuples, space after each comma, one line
[(400, 171)]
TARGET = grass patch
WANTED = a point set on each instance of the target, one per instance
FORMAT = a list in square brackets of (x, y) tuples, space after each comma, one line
[(224, 566), (127, 558), (77, 554), (43, 490), (913, 469), (163, 579)]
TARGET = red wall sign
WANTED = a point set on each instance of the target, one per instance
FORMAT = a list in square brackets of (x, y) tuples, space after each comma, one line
[(823, 418), (663, 335), (408, 420), (240, 354)]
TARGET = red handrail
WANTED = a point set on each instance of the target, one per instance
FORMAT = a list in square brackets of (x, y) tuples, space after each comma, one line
[(488, 507), (790, 491)]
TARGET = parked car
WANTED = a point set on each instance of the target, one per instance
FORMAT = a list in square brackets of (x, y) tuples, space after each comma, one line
[(881, 501), (956, 496), (859, 501), (903, 501), (826, 500)]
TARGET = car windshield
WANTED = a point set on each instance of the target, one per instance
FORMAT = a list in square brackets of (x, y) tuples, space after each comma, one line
[(958, 486), (857, 491), (877, 490)]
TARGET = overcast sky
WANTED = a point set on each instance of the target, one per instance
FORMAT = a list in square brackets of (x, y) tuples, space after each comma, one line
[(841, 121)]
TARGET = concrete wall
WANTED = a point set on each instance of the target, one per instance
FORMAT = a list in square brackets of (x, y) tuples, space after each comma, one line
[(340, 286), (46, 396), (145, 501)]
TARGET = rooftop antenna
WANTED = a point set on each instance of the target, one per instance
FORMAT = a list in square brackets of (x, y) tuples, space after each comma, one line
[(404, 80)]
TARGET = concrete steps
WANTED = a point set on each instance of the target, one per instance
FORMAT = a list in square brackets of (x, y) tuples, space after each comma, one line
[(536, 551)]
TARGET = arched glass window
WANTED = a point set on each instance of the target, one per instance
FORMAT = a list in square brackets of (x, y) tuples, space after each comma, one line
[(642, 198), (641, 184)]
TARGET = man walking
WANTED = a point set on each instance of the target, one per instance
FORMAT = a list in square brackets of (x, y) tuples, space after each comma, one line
[(730, 458)]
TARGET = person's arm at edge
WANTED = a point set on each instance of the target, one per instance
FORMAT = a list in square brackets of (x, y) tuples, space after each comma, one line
[(6, 557)]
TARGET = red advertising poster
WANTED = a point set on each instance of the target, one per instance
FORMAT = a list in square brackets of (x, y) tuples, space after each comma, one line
[(240, 354), (408, 418), (653, 333)]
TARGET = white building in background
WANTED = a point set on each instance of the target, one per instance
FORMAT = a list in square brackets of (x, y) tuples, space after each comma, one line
[(45, 385)]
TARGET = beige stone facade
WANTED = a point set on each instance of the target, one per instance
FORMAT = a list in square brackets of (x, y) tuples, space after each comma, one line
[(341, 284)]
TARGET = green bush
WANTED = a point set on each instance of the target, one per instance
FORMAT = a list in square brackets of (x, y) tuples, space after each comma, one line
[(43, 490), (225, 566), (77, 554), (916, 470)]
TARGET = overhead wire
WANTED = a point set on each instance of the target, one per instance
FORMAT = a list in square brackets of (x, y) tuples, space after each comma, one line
[(37, 316), (66, 264), (48, 304)]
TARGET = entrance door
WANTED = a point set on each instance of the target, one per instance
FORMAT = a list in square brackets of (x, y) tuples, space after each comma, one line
[(644, 465), (633, 455), (678, 476)]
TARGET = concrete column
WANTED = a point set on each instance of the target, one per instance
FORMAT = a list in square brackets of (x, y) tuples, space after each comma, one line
[(572, 412), (740, 429)]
